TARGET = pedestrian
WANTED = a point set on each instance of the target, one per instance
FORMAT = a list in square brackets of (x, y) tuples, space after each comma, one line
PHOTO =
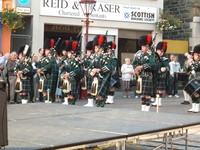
[(11, 76), (127, 75), (175, 68), (2, 62)]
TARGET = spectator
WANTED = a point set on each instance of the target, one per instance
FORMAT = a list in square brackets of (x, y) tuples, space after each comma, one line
[(175, 67), (34, 80), (127, 76), (11, 76), (2, 62)]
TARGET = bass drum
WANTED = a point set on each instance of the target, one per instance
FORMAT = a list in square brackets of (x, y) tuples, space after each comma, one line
[(192, 87)]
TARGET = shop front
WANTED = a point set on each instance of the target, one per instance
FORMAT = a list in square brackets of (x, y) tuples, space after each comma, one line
[(121, 23)]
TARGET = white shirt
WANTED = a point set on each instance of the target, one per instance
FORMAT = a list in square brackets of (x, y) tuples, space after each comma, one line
[(174, 67), (125, 75)]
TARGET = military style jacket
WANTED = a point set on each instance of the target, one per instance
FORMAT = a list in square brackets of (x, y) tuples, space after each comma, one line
[(25, 66), (71, 66)]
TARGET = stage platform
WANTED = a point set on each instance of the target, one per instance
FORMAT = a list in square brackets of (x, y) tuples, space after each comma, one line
[(52, 126)]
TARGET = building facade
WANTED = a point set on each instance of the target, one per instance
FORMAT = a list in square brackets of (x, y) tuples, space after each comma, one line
[(124, 22), (189, 12)]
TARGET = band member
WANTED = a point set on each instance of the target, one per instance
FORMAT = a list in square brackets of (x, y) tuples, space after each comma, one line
[(23, 71), (87, 81), (70, 75), (100, 70), (145, 65), (194, 68), (163, 73), (48, 73), (115, 68)]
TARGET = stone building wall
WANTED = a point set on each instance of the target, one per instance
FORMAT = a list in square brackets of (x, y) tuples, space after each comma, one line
[(186, 10)]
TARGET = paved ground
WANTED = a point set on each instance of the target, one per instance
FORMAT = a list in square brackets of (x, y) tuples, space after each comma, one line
[(169, 105)]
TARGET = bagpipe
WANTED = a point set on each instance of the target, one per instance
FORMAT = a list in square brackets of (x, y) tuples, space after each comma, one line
[(64, 84)]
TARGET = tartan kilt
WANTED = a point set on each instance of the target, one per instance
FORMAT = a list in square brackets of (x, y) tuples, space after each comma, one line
[(89, 81), (26, 85), (74, 88), (104, 84), (147, 85), (46, 84), (160, 84)]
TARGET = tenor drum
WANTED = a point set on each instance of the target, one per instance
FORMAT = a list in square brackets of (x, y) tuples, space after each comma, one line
[(192, 87)]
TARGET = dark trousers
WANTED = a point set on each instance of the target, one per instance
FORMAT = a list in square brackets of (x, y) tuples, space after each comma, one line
[(173, 86)]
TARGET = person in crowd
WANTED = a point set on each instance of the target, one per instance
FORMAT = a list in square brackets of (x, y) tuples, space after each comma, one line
[(11, 76), (34, 80), (58, 90), (87, 80), (2, 62), (127, 75), (100, 70), (162, 74), (194, 69), (23, 71), (145, 64), (169, 82), (49, 68), (186, 64), (115, 69), (70, 72), (175, 67)]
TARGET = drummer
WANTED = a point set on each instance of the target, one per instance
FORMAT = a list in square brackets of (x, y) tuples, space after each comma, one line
[(194, 69), (189, 59)]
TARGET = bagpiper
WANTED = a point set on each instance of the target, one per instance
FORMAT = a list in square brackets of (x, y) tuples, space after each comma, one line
[(194, 69), (163, 72), (70, 75), (23, 72), (100, 70), (145, 65), (48, 72), (87, 80), (115, 68)]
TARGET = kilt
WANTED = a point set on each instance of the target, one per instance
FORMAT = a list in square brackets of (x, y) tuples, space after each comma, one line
[(147, 85), (26, 85), (126, 85), (46, 84), (104, 84), (161, 84), (89, 81), (74, 88)]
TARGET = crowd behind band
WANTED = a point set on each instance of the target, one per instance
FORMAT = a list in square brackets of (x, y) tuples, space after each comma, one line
[(127, 76)]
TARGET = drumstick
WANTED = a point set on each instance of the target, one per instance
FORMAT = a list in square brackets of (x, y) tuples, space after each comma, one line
[(157, 107)]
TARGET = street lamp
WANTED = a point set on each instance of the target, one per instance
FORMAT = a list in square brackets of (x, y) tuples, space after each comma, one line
[(87, 7)]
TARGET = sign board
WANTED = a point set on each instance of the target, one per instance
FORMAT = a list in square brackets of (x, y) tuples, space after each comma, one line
[(102, 11), (23, 6)]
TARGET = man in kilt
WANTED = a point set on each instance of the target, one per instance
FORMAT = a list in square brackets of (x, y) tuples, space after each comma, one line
[(163, 73), (70, 73), (115, 68), (145, 65), (23, 71), (100, 70), (194, 69), (87, 60), (51, 68)]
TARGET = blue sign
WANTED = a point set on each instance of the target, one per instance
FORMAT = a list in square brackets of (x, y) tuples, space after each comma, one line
[(24, 2)]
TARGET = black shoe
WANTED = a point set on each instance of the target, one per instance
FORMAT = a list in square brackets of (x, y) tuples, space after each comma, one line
[(185, 103)]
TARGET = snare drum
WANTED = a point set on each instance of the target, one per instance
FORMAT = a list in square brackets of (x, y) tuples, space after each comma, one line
[(192, 87)]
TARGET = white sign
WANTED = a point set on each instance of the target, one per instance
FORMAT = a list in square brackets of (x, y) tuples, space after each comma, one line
[(23, 10), (102, 11)]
